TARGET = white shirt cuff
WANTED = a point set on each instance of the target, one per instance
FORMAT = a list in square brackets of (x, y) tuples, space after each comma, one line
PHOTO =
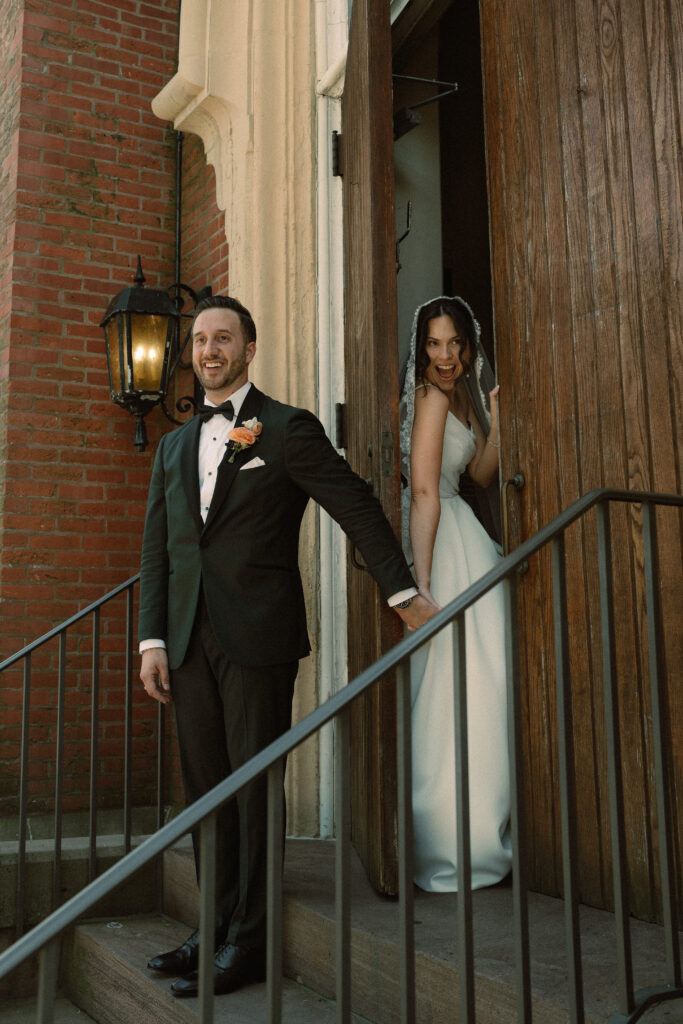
[(402, 595), (147, 645)]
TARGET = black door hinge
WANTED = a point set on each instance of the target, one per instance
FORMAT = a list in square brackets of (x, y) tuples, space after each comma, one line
[(340, 425), (337, 164)]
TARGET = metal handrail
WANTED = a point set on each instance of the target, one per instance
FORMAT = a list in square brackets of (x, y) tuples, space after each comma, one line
[(24, 655), (35, 644), (42, 937)]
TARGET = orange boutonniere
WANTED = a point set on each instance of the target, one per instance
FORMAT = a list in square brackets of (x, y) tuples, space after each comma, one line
[(243, 437)]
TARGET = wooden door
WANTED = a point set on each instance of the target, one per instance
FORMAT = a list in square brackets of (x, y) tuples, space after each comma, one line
[(372, 414), (580, 108)]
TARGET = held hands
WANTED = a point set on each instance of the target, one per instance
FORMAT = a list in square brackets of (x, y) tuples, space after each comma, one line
[(154, 674), (421, 608), (424, 591)]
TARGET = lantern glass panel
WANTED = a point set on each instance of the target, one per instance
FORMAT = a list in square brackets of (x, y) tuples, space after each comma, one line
[(148, 346), (112, 340)]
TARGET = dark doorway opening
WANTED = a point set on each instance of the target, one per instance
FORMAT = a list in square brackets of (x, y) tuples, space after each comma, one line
[(440, 169), (464, 200), (440, 166)]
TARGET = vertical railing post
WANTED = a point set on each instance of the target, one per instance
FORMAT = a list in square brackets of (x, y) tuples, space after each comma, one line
[(128, 738), (207, 916), (23, 797), (276, 826), (47, 983), (462, 820), (565, 741), (405, 843), (619, 863), (342, 862), (94, 740), (661, 749), (59, 773), (520, 908)]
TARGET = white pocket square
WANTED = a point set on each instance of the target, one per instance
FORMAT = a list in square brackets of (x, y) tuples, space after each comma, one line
[(253, 463)]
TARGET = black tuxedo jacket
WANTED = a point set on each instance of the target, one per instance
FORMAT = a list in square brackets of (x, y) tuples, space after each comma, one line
[(245, 556)]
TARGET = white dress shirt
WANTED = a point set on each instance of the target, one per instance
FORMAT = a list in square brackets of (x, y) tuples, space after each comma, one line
[(213, 437)]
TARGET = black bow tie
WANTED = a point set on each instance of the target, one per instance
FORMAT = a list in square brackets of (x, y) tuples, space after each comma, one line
[(207, 411)]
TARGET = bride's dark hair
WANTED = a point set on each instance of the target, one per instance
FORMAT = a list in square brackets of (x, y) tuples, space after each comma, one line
[(462, 319)]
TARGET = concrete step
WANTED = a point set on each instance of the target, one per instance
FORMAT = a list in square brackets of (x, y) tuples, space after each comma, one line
[(136, 895), (138, 892), (309, 945), (23, 1011), (104, 974), (109, 821)]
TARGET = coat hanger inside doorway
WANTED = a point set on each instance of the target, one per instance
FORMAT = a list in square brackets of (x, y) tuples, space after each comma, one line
[(407, 117)]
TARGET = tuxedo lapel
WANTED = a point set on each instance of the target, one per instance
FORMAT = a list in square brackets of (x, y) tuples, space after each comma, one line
[(189, 467), (226, 471)]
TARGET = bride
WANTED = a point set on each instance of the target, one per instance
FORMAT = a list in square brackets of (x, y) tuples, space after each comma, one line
[(450, 423)]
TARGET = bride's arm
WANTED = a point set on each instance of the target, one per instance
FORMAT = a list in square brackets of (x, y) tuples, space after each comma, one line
[(426, 449), (483, 466)]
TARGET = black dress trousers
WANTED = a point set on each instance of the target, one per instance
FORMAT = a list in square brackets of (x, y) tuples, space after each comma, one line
[(225, 714)]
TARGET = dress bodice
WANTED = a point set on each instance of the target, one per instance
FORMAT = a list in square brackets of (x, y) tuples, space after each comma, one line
[(459, 446)]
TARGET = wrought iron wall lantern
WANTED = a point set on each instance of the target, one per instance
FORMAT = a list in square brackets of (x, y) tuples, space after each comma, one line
[(142, 330)]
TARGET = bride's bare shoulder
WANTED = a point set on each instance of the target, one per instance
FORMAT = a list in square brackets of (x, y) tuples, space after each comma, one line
[(429, 397)]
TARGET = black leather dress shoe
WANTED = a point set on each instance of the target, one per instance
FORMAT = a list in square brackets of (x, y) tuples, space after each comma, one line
[(233, 967), (179, 961)]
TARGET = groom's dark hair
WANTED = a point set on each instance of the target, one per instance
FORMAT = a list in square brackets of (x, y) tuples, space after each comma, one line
[(227, 302)]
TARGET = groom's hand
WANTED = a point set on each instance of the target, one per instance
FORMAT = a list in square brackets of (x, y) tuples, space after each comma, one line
[(417, 613), (154, 674)]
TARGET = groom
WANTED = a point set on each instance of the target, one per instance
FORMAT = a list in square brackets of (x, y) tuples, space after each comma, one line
[(222, 618)]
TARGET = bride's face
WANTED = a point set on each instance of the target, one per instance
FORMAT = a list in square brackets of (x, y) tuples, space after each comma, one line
[(447, 350)]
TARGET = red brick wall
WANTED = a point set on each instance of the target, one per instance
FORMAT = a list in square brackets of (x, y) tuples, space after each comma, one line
[(10, 55), (204, 249), (95, 180)]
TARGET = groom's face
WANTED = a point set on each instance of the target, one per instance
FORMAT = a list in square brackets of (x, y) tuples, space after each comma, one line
[(220, 354)]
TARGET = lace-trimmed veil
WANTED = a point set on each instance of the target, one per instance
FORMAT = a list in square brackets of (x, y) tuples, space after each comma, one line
[(479, 381)]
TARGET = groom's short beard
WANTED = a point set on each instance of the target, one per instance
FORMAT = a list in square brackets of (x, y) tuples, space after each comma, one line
[(235, 369)]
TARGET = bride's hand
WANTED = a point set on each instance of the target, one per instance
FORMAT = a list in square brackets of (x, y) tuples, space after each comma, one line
[(425, 592), (418, 612), (493, 399)]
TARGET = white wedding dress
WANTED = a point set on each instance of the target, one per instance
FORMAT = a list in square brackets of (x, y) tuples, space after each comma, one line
[(463, 552)]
